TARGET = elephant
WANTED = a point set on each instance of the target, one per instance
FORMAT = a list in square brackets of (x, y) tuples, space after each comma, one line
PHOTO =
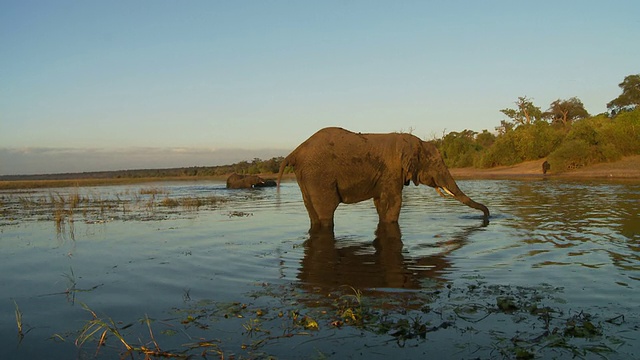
[(266, 183), (338, 166), (237, 181), (545, 167)]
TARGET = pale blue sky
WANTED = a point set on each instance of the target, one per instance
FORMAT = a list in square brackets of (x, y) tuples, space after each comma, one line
[(93, 85)]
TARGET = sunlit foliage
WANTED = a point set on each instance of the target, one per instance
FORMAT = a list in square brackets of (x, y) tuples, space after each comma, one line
[(630, 97)]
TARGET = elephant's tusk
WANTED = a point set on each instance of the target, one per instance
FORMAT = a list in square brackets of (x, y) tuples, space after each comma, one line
[(440, 192), (448, 192)]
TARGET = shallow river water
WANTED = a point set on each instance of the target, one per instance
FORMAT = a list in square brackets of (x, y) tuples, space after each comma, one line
[(173, 269)]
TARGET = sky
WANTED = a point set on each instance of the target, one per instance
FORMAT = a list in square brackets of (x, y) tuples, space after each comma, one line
[(109, 85)]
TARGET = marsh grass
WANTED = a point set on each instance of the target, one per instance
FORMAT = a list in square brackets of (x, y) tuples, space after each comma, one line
[(153, 191), (65, 209), (98, 329), (71, 286), (19, 321), (169, 202)]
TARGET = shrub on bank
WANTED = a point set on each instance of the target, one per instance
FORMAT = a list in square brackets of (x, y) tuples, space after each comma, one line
[(598, 139)]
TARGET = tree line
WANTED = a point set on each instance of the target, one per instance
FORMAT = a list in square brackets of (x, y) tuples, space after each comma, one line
[(256, 166), (566, 134)]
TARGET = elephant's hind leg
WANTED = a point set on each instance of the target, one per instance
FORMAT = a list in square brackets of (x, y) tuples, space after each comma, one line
[(321, 210)]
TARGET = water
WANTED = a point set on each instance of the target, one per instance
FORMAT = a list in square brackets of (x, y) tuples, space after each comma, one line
[(554, 274)]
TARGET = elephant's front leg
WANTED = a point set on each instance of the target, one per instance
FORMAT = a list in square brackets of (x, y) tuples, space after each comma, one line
[(388, 207)]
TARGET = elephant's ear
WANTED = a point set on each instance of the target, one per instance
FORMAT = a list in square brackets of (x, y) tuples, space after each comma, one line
[(411, 164)]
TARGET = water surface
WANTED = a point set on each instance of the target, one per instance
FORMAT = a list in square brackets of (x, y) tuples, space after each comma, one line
[(555, 273)]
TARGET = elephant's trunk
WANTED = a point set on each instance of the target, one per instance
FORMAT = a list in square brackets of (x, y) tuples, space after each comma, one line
[(451, 188)]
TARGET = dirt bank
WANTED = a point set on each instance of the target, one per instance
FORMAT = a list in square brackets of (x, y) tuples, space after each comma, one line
[(627, 168)]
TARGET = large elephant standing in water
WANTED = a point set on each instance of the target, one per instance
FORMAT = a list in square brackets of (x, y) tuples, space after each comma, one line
[(237, 181), (338, 166)]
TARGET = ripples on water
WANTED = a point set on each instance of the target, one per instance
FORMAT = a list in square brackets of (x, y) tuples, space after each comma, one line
[(581, 237)]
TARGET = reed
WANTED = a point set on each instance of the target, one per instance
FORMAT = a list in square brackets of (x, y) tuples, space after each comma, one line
[(153, 191), (99, 328), (19, 321), (191, 203), (169, 202)]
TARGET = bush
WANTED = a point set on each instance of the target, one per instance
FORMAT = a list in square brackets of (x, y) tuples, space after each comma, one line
[(599, 139), (624, 132), (571, 154), (526, 142), (502, 152), (458, 149)]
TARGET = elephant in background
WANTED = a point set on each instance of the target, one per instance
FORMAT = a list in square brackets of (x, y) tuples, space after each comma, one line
[(266, 183), (237, 181), (338, 166)]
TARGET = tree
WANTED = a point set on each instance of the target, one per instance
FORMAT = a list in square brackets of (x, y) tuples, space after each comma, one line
[(459, 148), (566, 111), (485, 139), (505, 127), (630, 97), (524, 113)]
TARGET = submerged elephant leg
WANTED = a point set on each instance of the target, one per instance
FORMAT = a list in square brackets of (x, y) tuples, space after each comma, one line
[(388, 207), (324, 208), (321, 206)]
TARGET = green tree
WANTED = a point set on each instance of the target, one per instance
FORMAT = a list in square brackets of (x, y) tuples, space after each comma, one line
[(565, 112), (630, 97), (524, 113), (459, 148), (485, 139), (505, 127)]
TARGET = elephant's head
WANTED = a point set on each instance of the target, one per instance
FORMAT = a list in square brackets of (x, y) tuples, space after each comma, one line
[(423, 164)]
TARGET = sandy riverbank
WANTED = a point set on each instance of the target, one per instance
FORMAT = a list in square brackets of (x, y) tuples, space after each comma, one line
[(627, 168)]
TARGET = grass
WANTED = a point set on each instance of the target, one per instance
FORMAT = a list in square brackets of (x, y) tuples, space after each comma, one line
[(39, 184), (64, 209), (99, 329), (19, 321)]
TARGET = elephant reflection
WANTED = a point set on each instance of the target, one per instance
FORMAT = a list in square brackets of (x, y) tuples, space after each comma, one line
[(327, 265)]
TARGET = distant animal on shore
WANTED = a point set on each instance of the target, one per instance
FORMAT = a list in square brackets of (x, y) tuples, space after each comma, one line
[(338, 166), (237, 181)]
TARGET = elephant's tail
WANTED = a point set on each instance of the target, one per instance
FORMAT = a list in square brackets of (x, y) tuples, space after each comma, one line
[(286, 162)]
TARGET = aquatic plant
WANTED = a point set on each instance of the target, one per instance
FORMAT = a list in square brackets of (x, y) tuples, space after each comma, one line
[(18, 321)]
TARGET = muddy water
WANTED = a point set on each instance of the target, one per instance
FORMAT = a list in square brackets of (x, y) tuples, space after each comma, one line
[(233, 273)]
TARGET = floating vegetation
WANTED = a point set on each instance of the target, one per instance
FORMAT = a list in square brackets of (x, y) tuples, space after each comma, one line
[(239, 214), (530, 324)]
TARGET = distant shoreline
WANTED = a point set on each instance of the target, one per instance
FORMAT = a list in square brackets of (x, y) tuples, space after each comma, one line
[(626, 169)]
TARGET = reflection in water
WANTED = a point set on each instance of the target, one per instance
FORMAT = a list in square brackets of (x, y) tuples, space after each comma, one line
[(577, 223), (329, 262)]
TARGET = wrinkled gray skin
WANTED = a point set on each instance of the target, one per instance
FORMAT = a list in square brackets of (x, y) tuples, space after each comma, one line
[(338, 166), (236, 181)]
